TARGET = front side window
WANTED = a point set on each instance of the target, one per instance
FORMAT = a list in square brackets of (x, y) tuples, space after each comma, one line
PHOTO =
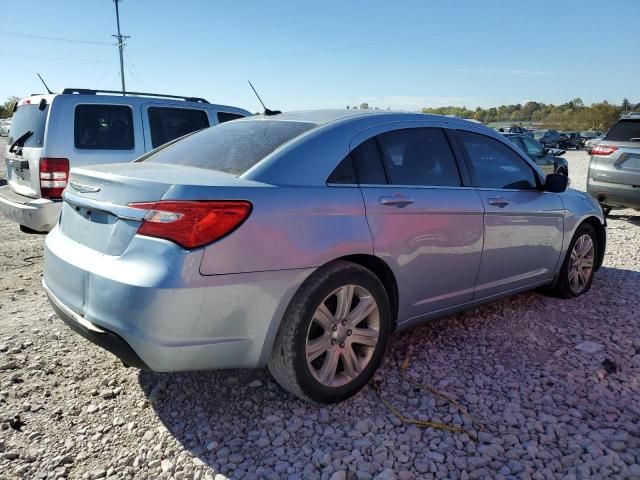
[(103, 127), (167, 123), (494, 165), (419, 156), (533, 148)]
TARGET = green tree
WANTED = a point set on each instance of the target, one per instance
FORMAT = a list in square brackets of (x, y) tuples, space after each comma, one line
[(626, 104), (6, 109)]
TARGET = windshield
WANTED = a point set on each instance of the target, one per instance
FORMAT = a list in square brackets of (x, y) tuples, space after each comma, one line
[(28, 118), (232, 147), (624, 131)]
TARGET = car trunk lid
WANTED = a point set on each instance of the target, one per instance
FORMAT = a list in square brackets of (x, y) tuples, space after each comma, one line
[(96, 211)]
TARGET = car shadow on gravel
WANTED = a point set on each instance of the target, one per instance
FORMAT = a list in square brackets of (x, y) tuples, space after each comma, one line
[(229, 418)]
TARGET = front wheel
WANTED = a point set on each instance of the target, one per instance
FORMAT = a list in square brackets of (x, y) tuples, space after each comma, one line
[(579, 265), (333, 336)]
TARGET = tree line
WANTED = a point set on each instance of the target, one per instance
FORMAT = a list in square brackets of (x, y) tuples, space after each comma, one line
[(572, 115)]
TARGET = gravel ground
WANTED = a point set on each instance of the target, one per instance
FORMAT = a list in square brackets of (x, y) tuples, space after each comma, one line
[(540, 407)]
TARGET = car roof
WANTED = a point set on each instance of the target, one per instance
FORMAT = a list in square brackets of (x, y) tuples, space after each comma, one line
[(324, 117), (127, 99)]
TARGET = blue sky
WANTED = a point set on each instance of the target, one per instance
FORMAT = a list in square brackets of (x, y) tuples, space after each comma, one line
[(402, 54)]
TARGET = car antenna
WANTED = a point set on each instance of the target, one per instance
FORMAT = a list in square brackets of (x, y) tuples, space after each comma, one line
[(45, 85), (267, 112)]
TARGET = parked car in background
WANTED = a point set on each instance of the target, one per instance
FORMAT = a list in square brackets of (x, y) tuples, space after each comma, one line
[(614, 168), (519, 130), (538, 134), (553, 139), (574, 140), (589, 144), (306, 246), (5, 123), (548, 159), (52, 133), (589, 135)]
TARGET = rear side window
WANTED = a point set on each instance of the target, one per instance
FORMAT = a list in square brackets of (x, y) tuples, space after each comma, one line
[(494, 165), (227, 117), (103, 127), (167, 123), (368, 164), (624, 131), (232, 147), (419, 156), (28, 118)]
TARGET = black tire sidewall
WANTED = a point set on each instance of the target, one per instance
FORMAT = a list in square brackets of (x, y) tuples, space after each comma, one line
[(348, 276)]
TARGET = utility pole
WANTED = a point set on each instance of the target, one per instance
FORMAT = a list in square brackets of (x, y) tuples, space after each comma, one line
[(120, 44)]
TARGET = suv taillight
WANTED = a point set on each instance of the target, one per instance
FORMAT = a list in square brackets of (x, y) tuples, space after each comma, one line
[(603, 150), (54, 175), (192, 224)]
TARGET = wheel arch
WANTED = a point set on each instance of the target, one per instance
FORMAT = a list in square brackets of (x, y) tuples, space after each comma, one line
[(383, 271), (601, 232)]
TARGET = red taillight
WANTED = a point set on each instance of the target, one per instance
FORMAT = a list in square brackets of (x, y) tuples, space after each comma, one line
[(192, 224), (54, 175), (603, 150)]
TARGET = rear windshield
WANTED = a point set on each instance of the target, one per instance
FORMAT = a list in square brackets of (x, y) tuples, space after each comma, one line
[(232, 147), (29, 118), (624, 131)]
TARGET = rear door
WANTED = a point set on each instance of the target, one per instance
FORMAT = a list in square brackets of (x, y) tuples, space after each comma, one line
[(523, 226), (163, 123), (622, 165), (423, 221), (22, 163)]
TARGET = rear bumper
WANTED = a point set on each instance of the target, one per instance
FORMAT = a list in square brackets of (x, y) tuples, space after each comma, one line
[(158, 312), (38, 214), (614, 195), (100, 336)]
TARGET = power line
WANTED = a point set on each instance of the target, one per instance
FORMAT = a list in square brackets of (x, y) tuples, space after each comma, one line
[(56, 39)]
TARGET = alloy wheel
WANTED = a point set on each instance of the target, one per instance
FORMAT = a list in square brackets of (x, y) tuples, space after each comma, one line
[(581, 263), (342, 336)]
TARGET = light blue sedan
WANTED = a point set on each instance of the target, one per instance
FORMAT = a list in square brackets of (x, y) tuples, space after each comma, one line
[(301, 241)]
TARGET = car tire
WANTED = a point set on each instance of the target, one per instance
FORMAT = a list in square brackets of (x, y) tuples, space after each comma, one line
[(562, 171), (315, 356), (583, 249)]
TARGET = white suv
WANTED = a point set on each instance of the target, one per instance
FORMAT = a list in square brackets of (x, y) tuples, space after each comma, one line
[(51, 133)]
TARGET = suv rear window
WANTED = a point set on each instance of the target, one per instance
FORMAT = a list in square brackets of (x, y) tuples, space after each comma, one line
[(103, 127), (28, 118), (624, 131), (168, 123), (232, 147)]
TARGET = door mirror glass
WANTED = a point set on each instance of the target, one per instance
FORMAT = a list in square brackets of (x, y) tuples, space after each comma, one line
[(556, 183)]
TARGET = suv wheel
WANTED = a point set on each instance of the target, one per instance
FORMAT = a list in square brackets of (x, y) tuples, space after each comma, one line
[(333, 335), (579, 265)]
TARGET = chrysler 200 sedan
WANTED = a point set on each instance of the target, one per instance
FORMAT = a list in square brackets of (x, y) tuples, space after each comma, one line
[(301, 241)]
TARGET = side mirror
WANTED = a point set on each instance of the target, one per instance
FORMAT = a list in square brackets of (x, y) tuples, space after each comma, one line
[(556, 183)]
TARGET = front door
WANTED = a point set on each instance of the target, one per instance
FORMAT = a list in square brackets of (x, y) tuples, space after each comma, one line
[(523, 225), (423, 222)]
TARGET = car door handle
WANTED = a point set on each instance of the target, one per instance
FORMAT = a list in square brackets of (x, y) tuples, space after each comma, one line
[(498, 202), (399, 201)]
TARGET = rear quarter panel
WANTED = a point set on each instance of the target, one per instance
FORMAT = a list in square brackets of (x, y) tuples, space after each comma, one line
[(288, 228)]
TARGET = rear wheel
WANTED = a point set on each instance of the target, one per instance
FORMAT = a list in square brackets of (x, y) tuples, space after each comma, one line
[(579, 265), (562, 171), (333, 335)]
